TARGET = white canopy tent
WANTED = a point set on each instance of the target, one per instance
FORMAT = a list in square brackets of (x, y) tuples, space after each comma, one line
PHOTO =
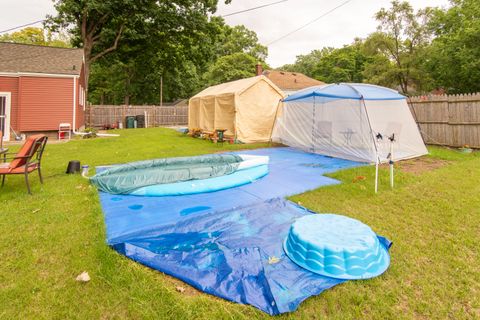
[(350, 121), (244, 108)]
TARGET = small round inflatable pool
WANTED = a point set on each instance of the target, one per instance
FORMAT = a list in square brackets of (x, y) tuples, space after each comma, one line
[(336, 246)]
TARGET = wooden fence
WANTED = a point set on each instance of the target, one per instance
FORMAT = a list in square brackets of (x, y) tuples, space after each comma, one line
[(451, 120), (98, 116)]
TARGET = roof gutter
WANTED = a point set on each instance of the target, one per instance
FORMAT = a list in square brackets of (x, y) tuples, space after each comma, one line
[(37, 74)]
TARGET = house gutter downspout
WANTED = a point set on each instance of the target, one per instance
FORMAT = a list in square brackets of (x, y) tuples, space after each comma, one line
[(74, 104)]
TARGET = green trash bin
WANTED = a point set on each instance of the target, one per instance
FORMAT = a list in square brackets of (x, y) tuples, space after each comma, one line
[(130, 122)]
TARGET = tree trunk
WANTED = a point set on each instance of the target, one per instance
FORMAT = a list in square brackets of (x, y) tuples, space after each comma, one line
[(90, 35), (127, 87), (87, 53)]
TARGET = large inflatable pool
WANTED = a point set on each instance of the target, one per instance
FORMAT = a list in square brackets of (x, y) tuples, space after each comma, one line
[(181, 176)]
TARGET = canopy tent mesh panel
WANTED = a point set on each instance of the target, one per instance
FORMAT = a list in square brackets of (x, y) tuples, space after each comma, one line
[(349, 121)]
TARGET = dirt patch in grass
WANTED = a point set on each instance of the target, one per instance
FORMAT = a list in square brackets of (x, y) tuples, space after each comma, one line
[(420, 165), (182, 287)]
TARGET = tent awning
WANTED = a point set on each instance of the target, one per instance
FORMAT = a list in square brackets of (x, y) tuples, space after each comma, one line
[(354, 91)]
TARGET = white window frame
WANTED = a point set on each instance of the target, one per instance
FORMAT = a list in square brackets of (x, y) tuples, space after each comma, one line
[(8, 107)]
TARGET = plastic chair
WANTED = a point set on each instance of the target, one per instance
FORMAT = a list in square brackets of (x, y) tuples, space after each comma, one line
[(26, 160), (64, 130)]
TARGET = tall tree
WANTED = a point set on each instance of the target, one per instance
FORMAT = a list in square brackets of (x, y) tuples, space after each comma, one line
[(402, 36), (454, 59), (99, 25), (94, 23), (132, 73)]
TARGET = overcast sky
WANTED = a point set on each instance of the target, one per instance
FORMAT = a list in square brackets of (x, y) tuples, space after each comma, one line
[(355, 19)]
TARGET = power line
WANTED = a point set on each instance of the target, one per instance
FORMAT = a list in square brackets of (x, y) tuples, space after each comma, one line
[(226, 15), (254, 8), (22, 26), (309, 23)]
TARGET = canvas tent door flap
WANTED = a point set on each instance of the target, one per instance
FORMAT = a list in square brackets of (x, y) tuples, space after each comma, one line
[(349, 121), (224, 116), (207, 113), (245, 108)]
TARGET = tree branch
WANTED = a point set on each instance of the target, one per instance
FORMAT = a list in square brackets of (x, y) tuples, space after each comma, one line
[(84, 25), (95, 26), (112, 48)]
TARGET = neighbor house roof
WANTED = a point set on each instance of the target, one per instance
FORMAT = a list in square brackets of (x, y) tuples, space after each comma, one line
[(291, 81), (15, 57), (235, 87)]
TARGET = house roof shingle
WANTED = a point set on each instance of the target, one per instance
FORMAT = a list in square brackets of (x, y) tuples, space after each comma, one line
[(16, 57), (291, 81)]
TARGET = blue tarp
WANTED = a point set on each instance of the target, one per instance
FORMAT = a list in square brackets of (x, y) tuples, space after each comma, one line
[(227, 243), (355, 91)]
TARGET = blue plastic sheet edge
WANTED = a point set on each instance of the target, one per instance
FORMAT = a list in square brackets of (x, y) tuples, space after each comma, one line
[(269, 300), (275, 288)]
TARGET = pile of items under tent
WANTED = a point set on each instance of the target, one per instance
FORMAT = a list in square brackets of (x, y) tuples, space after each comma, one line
[(243, 110)]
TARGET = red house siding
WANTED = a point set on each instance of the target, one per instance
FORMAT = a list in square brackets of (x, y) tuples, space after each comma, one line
[(10, 84), (41, 103), (45, 103)]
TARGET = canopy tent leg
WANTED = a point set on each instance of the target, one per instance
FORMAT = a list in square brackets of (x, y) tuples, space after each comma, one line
[(391, 174), (376, 176), (390, 156)]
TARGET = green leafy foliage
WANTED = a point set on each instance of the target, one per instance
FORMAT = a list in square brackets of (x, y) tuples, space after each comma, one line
[(232, 67), (158, 31), (37, 36), (307, 63), (454, 59), (341, 65), (413, 52), (240, 39), (131, 46), (133, 73), (401, 37)]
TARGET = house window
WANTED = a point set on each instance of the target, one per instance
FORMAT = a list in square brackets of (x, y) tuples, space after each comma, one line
[(84, 98), (81, 97)]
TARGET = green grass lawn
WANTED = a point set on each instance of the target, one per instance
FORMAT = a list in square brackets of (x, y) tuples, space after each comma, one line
[(49, 238)]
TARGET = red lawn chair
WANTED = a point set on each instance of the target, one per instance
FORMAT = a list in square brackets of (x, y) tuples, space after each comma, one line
[(26, 160)]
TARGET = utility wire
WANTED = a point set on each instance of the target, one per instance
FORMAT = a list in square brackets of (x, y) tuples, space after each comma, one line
[(226, 15), (309, 23), (22, 26), (254, 8)]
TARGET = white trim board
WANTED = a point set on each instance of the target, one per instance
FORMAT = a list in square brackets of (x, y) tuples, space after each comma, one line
[(32, 74), (8, 107)]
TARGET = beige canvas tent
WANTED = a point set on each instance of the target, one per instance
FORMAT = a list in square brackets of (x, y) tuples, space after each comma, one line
[(245, 108)]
